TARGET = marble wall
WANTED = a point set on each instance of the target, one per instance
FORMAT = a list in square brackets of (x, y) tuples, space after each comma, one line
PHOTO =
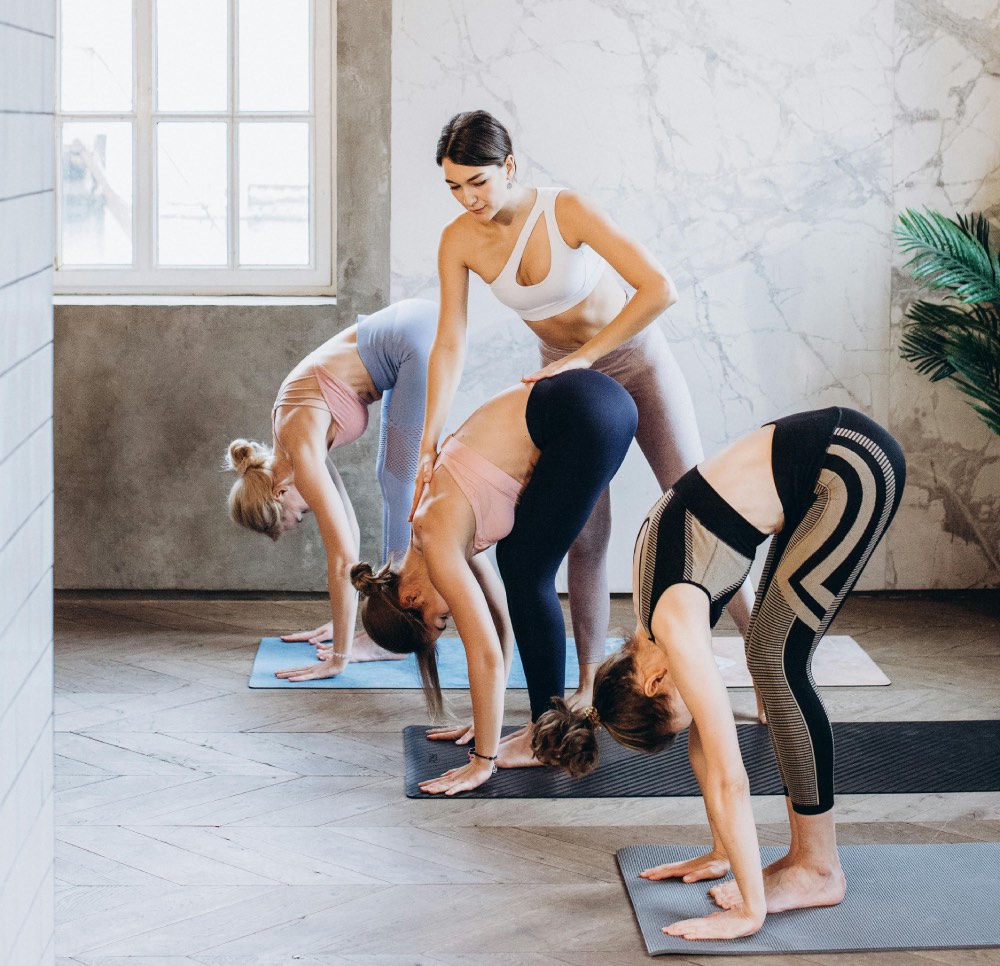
[(761, 152)]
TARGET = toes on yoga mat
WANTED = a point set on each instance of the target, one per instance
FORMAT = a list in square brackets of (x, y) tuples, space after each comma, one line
[(839, 661), (898, 897), (872, 757)]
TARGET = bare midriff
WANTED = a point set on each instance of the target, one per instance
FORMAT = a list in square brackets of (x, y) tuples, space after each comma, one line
[(741, 474), (339, 356), (571, 329)]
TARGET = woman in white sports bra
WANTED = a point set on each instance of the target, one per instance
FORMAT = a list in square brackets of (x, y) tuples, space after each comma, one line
[(547, 254)]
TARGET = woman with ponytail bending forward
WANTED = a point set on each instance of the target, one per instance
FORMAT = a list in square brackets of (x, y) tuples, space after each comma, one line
[(524, 472), (322, 405), (826, 484)]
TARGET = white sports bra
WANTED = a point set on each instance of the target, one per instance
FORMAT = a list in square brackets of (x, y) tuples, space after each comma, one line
[(573, 273)]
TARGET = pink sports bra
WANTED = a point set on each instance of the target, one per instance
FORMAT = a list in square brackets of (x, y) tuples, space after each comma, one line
[(347, 409), (573, 272), (492, 494)]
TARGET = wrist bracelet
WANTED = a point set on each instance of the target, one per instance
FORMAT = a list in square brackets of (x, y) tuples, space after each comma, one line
[(339, 653), (490, 758)]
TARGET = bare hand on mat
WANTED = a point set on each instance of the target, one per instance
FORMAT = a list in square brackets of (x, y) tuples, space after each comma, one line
[(731, 924), (461, 779), (315, 672), (713, 865), (316, 636), (364, 649), (461, 734)]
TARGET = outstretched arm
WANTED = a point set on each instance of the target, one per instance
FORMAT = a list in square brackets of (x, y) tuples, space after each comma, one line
[(322, 488), (496, 600), (459, 585), (681, 620), (447, 356), (584, 223)]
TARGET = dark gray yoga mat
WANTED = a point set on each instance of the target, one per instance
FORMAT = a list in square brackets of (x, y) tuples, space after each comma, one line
[(873, 757), (898, 897)]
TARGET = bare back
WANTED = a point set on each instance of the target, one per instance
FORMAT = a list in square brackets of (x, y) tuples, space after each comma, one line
[(741, 474), (497, 431)]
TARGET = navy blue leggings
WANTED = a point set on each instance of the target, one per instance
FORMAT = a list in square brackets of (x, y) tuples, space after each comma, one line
[(583, 422)]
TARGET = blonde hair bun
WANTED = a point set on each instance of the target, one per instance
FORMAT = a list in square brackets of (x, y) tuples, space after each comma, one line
[(245, 455)]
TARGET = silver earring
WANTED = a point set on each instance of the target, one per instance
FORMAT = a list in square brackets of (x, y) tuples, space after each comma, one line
[(510, 184)]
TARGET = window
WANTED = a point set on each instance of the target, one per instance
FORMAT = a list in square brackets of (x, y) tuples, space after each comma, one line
[(195, 144)]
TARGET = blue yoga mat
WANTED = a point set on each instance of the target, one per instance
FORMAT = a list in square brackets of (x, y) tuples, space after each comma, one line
[(275, 655)]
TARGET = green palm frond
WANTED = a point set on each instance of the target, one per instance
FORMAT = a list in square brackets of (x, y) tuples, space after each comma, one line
[(957, 342), (951, 254)]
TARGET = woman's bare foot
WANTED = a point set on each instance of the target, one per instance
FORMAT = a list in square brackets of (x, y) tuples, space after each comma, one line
[(514, 734), (790, 885), (363, 649), (515, 751), (581, 698)]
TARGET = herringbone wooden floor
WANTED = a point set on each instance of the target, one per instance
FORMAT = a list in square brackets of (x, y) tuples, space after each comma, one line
[(199, 822)]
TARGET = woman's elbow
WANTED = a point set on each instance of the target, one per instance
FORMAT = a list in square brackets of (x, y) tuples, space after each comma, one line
[(666, 290), (339, 567)]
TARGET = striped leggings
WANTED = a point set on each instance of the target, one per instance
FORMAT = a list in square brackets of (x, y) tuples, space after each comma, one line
[(811, 567)]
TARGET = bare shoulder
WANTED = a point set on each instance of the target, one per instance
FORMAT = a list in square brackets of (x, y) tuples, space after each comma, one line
[(577, 216), (457, 240), (458, 230)]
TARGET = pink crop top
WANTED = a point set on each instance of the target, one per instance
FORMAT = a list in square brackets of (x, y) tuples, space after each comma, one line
[(492, 494), (347, 409), (573, 272)]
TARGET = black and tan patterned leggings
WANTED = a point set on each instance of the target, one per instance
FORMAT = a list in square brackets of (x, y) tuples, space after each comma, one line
[(811, 567)]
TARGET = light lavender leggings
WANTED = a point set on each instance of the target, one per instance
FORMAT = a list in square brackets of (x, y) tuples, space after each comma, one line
[(668, 437)]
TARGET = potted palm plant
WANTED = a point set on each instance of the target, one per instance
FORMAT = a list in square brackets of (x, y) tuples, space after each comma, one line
[(958, 339)]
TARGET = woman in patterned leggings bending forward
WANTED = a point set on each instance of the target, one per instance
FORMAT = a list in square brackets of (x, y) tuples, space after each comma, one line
[(826, 484)]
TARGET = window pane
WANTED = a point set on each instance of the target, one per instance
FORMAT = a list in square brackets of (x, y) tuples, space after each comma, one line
[(96, 55), (191, 64), (274, 194), (191, 193), (95, 193), (274, 55)]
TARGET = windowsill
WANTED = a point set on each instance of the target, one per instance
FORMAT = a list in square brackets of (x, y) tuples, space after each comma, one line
[(177, 300)]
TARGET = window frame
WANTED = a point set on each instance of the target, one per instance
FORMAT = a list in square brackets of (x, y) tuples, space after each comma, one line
[(143, 277)]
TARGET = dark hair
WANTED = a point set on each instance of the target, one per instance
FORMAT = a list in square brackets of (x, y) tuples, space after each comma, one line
[(568, 738), (397, 628), (475, 138)]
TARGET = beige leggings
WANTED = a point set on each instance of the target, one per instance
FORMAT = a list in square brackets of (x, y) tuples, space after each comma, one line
[(668, 437)]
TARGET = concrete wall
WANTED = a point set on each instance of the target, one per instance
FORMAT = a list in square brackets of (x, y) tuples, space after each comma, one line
[(26, 841), (763, 155), (148, 397)]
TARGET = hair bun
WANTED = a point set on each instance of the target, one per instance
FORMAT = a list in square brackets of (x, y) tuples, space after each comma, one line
[(244, 455), (567, 738), (362, 577), (365, 580)]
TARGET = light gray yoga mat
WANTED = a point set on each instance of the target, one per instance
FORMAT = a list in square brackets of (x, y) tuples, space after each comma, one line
[(898, 897)]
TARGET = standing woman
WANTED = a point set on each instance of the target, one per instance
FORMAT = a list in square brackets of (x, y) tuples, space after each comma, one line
[(322, 405), (827, 483), (548, 254)]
